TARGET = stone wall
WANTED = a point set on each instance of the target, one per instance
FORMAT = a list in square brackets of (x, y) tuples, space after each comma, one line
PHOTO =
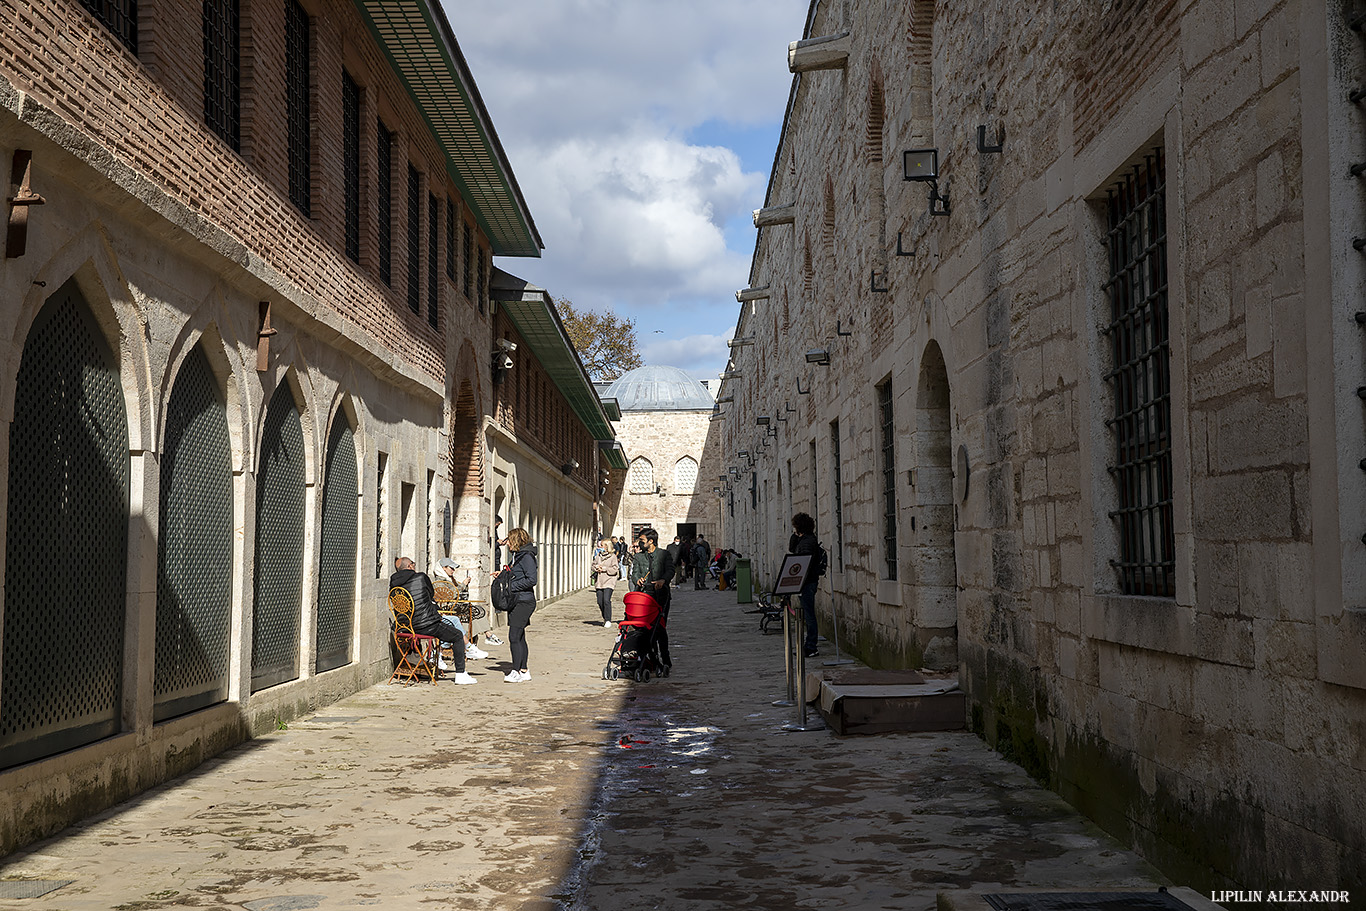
[(1218, 729), (664, 438)]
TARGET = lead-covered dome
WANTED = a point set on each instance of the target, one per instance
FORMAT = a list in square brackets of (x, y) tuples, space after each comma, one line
[(659, 389)]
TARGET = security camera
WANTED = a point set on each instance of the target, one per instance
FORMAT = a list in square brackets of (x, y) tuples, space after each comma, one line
[(507, 346), (502, 361)]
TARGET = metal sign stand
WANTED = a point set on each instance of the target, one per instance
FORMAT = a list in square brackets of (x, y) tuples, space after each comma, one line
[(787, 661), (801, 724)]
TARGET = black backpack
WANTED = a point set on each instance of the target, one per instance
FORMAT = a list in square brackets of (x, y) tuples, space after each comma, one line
[(499, 596), (822, 560)]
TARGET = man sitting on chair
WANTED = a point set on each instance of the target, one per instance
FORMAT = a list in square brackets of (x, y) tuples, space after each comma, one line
[(427, 620)]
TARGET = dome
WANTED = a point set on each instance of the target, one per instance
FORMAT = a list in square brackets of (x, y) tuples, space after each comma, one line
[(659, 389)]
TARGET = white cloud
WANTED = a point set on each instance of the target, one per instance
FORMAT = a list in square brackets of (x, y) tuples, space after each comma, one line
[(696, 354)]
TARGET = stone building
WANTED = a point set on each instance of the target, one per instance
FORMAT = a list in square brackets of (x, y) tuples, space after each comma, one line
[(664, 431), (1068, 306), (248, 341)]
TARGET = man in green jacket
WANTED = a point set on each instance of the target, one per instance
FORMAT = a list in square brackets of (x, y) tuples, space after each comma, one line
[(654, 581)]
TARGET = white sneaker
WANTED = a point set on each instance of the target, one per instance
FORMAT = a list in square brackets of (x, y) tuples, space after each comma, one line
[(524, 676), (491, 639), (464, 679), (514, 677), (475, 652), (607, 624), (441, 665)]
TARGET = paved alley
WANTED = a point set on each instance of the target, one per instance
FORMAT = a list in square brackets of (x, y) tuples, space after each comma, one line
[(571, 792)]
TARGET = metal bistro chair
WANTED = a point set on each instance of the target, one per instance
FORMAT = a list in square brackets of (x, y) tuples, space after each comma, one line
[(416, 654), (448, 601)]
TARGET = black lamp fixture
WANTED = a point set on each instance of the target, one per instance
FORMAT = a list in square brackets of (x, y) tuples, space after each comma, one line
[(763, 420), (922, 166), (568, 467), (818, 356), (743, 453)]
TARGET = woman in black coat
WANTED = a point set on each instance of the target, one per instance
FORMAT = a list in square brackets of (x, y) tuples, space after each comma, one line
[(522, 586)]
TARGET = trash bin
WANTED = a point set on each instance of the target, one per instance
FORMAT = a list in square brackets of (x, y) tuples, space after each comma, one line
[(744, 585)]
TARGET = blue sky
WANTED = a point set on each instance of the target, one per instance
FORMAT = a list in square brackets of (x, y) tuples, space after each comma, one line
[(642, 133)]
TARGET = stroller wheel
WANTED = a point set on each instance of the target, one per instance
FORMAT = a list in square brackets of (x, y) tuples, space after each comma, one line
[(615, 674), (644, 674), (606, 673)]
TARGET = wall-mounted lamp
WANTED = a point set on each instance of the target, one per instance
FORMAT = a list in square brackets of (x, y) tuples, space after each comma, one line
[(725, 400), (819, 357), (716, 490), (922, 166), (731, 375), (763, 420), (568, 467), (717, 416), (740, 342), (743, 453)]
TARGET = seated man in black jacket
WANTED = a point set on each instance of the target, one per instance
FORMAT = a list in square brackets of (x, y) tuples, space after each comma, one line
[(427, 620)]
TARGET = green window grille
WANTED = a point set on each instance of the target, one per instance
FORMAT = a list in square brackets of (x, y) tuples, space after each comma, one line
[(298, 106), (889, 547), (337, 572), (68, 507), (194, 547), (223, 70), (351, 164), (414, 240), (279, 545), (384, 201), (120, 17)]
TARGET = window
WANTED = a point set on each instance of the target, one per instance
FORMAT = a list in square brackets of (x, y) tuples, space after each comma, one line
[(120, 17), (469, 261), (641, 477), (450, 240), (1140, 379), (838, 486), (483, 279), (433, 286), (222, 71), (884, 404), (381, 504), (414, 240), (385, 200), (297, 111), (685, 475), (351, 163)]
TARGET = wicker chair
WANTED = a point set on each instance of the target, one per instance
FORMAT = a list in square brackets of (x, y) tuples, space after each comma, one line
[(417, 655)]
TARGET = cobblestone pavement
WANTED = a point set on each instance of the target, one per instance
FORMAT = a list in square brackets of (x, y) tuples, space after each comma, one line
[(572, 792)]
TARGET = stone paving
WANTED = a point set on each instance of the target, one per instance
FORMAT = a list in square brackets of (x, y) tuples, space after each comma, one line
[(572, 792)]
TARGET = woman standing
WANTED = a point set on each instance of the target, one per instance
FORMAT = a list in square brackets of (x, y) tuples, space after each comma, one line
[(522, 585), (607, 567)]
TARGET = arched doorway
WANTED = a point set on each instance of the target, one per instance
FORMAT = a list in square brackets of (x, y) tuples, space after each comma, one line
[(337, 570), (936, 563), (194, 547), (66, 550), (279, 544)]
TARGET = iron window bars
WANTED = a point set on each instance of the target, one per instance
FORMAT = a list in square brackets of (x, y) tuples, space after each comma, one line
[(839, 493), (298, 113), (1141, 379), (385, 199), (433, 286), (351, 163), (120, 17), (223, 70), (884, 401), (450, 240), (414, 240)]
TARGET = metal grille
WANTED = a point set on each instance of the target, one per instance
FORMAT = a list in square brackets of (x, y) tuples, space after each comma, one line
[(385, 201), (337, 573), (433, 286), (450, 240), (120, 17), (414, 241), (884, 404), (838, 484), (483, 279), (641, 477), (1141, 380), (68, 507), (279, 545), (297, 106), (222, 71), (381, 503), (469, 261), (194, 547), (351, 163)]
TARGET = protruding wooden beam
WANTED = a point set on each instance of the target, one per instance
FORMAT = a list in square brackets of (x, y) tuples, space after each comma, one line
[(775, 215), (829, 52), (263, 337), (752, 294)]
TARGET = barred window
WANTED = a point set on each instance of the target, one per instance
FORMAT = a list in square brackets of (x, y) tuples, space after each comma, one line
[(450, 240), (385, 199), (223, 70), (884, 402), (433, 286), (641, 477), (483, 279), (685, 475), (351, 163), (414, 240), (297, 105), (469, 261), (120, 17), (1140, 379), (839, 494)]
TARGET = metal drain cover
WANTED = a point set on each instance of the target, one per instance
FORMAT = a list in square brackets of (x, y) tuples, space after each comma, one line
[(1086, 901), (30, 888)]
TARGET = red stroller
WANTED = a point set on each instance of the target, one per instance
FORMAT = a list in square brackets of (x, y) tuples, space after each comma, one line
[(636, 652)]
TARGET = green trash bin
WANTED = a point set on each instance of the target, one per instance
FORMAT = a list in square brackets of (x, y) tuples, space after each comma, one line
[(744, 583)]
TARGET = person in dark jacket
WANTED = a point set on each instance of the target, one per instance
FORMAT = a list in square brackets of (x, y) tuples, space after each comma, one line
[(427, 620), (659, 569), (523, 587), (701, 559), (803, 541)]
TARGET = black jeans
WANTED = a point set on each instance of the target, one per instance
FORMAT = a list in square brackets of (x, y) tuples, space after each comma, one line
[(605, 603), (447, 631), (519, 618), (807, 597)]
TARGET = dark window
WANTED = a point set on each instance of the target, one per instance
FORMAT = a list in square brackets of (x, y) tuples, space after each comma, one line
[(469, 261), (483, 279), (414, 240), (351, 163), (433, 286), (838, 485), (222, 71), (385, 197), (1140, 379), (119, 16), (297, 107), (884, 404), (450, 240)]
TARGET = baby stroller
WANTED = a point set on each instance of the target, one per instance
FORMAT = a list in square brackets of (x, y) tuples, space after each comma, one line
[(636, 652)]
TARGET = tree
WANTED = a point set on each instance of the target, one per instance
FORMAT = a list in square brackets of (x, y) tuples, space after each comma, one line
[(606, 342)]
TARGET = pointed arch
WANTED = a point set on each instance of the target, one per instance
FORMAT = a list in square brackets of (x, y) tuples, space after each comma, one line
[(685, 475), (339, 551), (641, 476)]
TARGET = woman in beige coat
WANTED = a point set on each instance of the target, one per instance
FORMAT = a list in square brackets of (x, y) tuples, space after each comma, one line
[(609, 571)]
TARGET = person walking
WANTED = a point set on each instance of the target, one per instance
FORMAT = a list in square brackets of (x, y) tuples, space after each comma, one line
[(522, 586), (659, 569), (701, 559), (803, 541), (608, 568)]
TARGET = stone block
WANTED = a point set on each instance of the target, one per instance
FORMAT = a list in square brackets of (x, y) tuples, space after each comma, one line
[(1211, 93), (1251, 504), (1226, 640), (1280, 38), (1212, 299), (1206, 34), (1259, 590), (1248, 433), (1257, 320), (1285, 649), (1289, 351)]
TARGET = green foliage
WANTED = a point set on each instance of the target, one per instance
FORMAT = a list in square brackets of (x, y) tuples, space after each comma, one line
[(606, 343)]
